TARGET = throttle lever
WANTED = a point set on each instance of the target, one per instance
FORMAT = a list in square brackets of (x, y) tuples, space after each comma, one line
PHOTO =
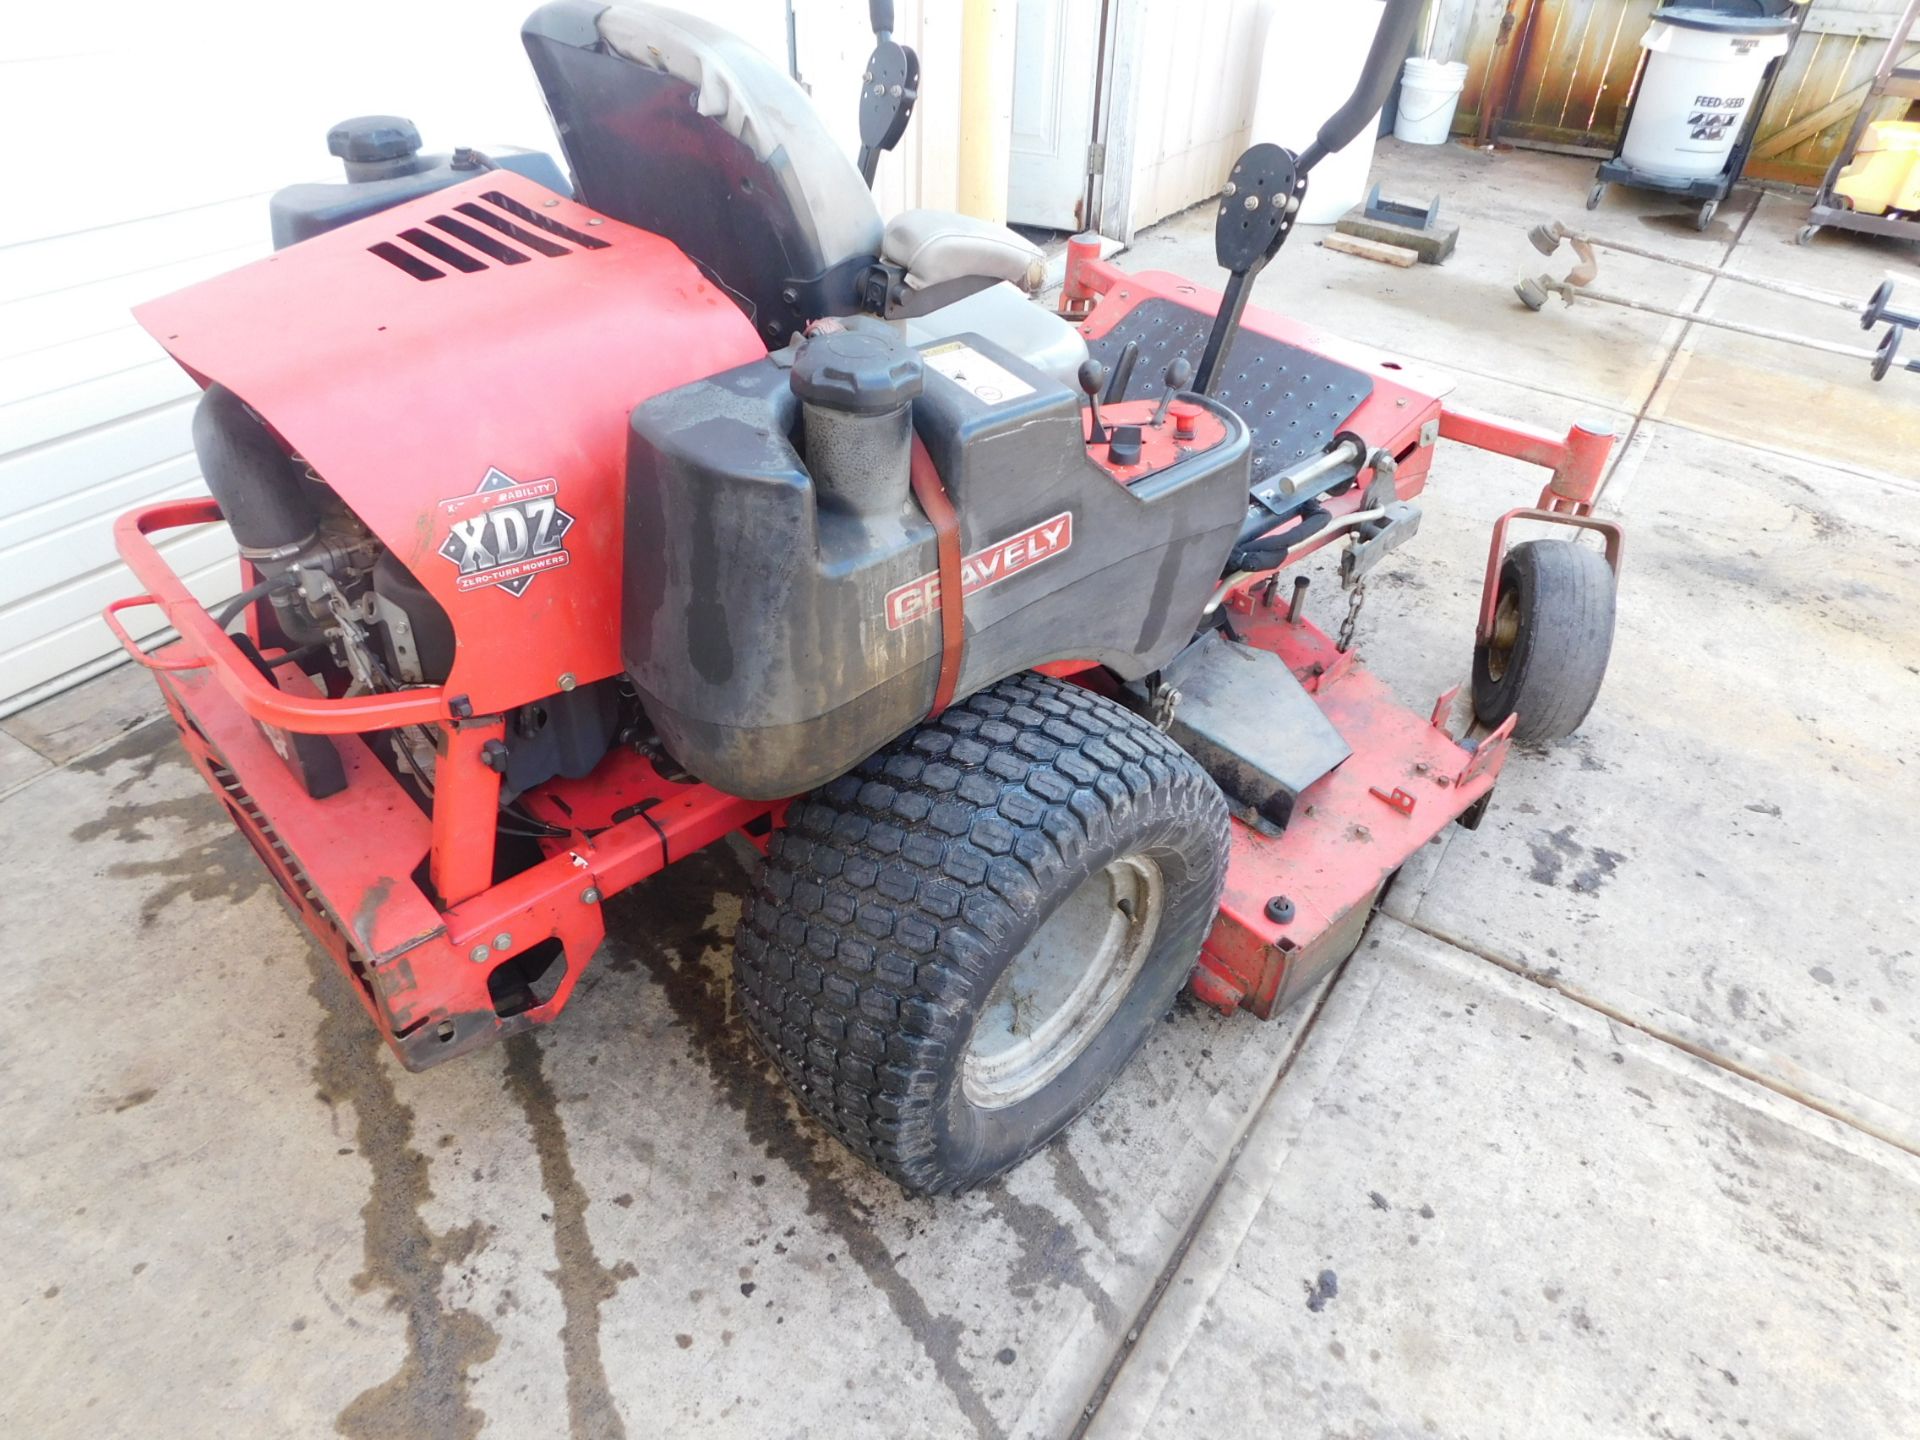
[(1179, 375)]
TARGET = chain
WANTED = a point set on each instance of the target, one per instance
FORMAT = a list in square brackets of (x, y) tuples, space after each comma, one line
[(1166, 700), (1355, 598)]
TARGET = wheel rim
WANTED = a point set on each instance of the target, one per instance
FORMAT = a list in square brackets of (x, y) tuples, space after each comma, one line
[(1506, 630), (1060, 990)]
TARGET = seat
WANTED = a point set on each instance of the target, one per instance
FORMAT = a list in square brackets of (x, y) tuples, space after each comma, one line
[(940, 250), (677, 126)]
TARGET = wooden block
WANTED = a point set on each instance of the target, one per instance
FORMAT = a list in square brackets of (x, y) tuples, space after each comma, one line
[(1372, 250)]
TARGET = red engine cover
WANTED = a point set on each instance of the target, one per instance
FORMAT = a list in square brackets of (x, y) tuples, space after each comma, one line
[(460, 370)]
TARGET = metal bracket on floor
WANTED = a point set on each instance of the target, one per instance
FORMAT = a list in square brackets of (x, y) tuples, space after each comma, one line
[(1394, 212)]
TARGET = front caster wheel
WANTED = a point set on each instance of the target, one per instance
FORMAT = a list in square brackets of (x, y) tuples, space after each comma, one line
[(1552, 634), (952, 951)]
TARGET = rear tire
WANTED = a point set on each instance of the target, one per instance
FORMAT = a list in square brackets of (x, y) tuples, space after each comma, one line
[(952, 951), (1553, 634)]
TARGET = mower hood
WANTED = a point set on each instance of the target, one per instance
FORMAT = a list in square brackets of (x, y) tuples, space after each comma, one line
[(469, 354)]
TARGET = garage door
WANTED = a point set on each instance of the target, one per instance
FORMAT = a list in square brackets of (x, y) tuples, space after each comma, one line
[(174, 123)]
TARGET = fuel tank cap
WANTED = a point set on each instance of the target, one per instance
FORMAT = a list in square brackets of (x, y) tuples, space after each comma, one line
[(369, 139), (860, 372)]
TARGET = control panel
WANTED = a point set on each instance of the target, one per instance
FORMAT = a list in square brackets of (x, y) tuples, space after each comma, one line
[(1132, 439)]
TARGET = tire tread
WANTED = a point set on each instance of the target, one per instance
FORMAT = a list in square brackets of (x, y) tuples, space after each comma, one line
[(1558, 663), (863, 947)]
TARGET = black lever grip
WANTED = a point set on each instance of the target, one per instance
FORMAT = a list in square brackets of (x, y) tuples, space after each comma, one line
[(1122, 372), (881, 12), (1390, 45)]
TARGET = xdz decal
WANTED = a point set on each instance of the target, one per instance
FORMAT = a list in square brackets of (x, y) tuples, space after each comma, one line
[(506, 532), (920, 598)]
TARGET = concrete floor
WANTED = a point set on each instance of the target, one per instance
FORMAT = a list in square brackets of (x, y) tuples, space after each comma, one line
[(1610, 1127)]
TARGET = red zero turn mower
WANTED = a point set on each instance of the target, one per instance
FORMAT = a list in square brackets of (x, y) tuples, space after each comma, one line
[(581, 530)]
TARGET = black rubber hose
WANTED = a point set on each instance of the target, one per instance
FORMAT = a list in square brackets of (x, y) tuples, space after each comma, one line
[(240, 602), (259, 486), (1270, 550)]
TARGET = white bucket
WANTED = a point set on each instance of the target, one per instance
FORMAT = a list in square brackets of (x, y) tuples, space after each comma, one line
[(1429, 94), (1313, 52)]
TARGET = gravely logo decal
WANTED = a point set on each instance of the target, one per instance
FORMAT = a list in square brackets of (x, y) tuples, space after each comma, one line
[(506, 532), (920, 598)]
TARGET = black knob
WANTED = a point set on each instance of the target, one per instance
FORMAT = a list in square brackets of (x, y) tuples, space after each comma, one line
[(373, 138), (1125, 446), (1179, 375), (1092, 375)]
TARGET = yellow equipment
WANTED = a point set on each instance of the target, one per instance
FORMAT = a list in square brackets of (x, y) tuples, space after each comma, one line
[(1885, 172)]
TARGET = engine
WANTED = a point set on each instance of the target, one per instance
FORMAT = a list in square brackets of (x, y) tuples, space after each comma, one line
[(354, 617)]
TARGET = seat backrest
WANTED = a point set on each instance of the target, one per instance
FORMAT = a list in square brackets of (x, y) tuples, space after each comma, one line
[(677, 126)]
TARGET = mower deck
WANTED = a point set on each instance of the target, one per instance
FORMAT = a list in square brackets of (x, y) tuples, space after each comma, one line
[(440, 983)]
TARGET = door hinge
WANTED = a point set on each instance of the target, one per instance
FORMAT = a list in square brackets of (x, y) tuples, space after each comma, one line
[(1097, 158)]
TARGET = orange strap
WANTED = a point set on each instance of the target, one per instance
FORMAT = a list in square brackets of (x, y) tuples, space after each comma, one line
[(932, 495)]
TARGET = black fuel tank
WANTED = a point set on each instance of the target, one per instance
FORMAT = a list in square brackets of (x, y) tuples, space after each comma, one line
[(778, 635)]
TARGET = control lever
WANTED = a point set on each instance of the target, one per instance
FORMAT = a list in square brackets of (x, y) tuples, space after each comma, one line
[(1267, 184), (1179, 376), (1123, 372), (1092, 375), (888, 89), (1257, 207)]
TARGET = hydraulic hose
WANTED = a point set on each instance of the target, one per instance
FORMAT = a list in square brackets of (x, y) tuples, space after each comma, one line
[(1270, 550)]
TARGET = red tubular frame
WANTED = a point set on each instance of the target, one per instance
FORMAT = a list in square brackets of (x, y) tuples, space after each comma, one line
[(352, 865), (1578, 462), (207, 646)]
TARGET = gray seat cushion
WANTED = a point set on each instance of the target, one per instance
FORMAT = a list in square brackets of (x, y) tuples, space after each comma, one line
[(938, 246)]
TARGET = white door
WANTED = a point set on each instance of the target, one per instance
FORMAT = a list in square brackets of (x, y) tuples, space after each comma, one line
[(1056, 59)]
